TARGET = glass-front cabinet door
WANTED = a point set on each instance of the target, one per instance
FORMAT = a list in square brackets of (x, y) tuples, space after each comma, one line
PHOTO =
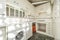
[(11, 12)]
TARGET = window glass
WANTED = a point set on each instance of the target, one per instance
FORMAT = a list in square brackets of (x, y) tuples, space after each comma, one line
[(42, 27)]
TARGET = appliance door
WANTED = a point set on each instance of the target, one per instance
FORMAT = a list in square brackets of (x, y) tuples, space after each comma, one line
[(3, 33), (20, 35)]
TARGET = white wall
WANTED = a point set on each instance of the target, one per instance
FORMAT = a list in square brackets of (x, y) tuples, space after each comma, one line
[(44, 10), (45, 14), (56, 16)]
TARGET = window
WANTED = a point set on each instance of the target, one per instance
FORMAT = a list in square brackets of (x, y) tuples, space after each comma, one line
[(42, 27)]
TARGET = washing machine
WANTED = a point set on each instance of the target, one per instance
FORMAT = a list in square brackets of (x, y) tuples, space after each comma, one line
[(21, 35)]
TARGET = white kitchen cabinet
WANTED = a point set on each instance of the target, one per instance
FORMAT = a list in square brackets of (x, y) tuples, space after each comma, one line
[(12, 11), (29, 31), (3, 33)]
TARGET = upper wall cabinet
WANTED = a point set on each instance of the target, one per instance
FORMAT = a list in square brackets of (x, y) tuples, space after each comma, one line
[(14, 12)]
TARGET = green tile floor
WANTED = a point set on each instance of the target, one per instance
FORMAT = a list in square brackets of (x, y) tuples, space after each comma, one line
[(37, 36)]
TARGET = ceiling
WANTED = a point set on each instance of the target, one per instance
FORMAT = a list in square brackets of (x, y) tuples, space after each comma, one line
[(39, 2), (33, 1)]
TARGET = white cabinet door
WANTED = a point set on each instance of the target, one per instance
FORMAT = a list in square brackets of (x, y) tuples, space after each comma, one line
[(29, 31), (3, 33)]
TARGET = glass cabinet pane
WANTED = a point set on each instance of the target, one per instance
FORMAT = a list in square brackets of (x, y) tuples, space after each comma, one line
[(11, 12), (20, 13), (17, 13), (7, 11), (23, 14)]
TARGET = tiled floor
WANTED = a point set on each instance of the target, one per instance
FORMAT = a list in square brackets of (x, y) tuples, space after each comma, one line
[(37, 36)]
